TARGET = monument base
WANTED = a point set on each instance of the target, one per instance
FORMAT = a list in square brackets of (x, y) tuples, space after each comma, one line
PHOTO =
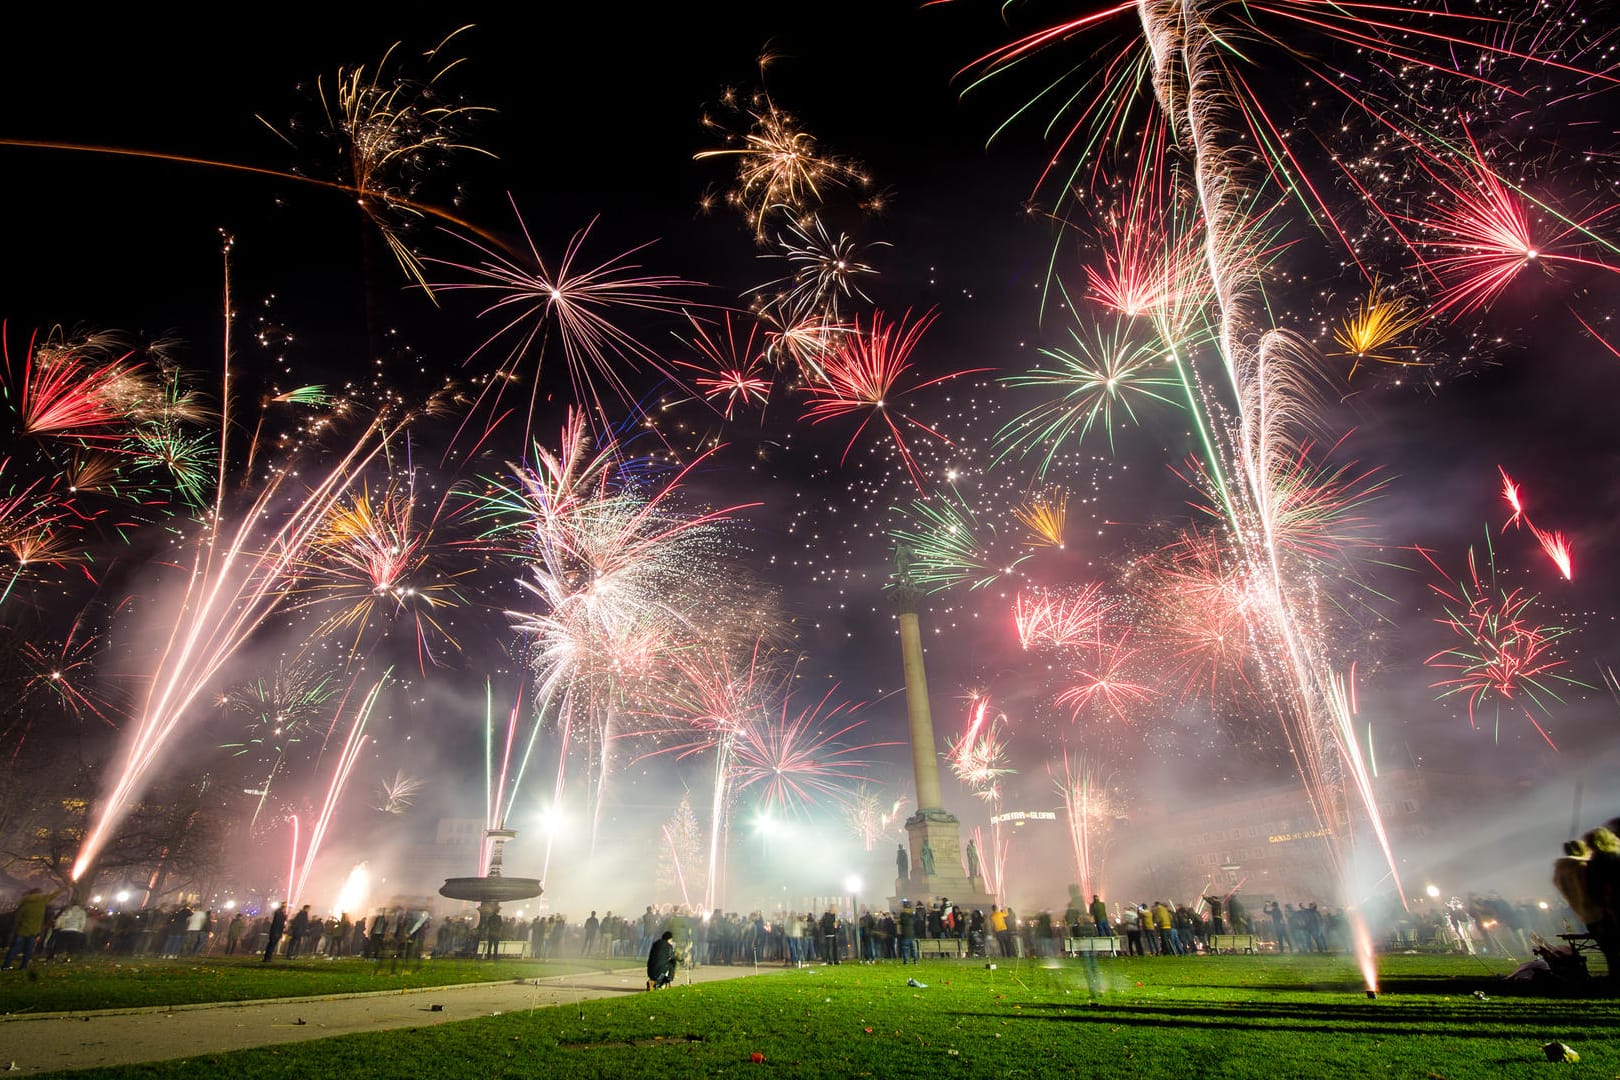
[(941, 831)]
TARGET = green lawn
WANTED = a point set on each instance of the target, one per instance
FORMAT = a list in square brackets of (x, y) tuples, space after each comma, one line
[(107, 984), (1234, 1017)]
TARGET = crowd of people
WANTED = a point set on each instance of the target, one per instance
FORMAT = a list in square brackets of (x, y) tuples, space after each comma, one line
[(1587, 876)]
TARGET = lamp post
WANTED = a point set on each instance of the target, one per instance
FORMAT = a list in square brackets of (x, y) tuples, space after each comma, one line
[(853, 884)]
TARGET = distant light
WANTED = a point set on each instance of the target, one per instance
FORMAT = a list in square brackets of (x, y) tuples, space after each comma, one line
[(852, 884), (123, 894), (1433, 891), (230, 905), (1542, 905)]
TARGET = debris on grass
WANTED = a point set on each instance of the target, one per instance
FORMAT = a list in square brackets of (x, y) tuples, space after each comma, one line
[(916, 984), (1557, 1051)]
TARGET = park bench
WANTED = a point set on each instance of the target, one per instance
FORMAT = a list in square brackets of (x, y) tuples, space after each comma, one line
[(1079, 946), (955, 948), (1233, 943)]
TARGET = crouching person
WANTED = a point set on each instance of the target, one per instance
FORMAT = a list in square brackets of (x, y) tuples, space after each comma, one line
[(661, 962)]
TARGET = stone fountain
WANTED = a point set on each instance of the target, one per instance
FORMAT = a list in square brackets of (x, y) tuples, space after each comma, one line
[(494, 888)]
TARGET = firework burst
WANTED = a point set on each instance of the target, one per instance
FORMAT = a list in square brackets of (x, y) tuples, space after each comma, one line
[(1501, 654), (863, 376)]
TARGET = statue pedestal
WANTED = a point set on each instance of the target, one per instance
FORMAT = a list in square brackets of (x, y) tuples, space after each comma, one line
[(941, 831)]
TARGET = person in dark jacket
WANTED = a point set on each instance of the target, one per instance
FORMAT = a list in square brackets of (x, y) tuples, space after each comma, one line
[(278, 926), (661, 961)]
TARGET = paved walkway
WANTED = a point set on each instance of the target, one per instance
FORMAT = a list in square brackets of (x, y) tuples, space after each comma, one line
[(36, 1044)]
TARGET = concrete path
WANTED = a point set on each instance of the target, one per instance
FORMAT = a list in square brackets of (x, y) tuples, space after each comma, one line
[(36, 1044)]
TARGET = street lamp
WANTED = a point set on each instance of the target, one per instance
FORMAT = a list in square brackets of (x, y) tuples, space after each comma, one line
[(853, 884)]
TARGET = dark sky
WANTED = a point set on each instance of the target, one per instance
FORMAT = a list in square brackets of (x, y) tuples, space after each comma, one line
[(597, 112)]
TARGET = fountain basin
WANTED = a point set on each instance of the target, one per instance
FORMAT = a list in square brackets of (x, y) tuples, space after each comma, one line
[(493, 888)]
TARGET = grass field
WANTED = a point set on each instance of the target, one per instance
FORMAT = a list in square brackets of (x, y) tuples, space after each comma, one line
[(1228, 1017), (106, 984)]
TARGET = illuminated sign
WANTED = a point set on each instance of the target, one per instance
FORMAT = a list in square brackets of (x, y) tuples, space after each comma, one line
[(1024, 815), (1283, 838)]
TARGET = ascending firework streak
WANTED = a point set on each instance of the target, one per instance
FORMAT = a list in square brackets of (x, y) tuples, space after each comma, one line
[(350, 753), (499, 795), (238, 577), (1091, 812), (1250, 407)]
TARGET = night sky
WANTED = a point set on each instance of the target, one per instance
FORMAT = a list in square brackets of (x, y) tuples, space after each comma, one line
[(596, 116)]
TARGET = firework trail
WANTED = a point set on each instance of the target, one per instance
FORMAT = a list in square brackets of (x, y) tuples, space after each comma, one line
[(1283, 520), (1091, 809), (1555, 544), (347, 756), (238, 576)]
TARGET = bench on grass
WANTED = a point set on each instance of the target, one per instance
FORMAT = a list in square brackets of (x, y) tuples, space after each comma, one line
[(1233, 943), (940, 948), (1581, 943), (1080, 946)]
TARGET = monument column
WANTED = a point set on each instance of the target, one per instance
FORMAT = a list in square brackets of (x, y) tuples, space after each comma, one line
[(942, 873)]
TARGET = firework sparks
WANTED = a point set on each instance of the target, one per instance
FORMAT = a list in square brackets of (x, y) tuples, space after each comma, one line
[(978, 757), (1048, 619), (779, 167), (949, 544), (580, 305), (790, 760), (1098, 383), (1373, 330), (1502, 654), (1091, 810), (1556, 545), (863, 376), (1045, 516), (1101, 679), (733, 373), (392, 128)]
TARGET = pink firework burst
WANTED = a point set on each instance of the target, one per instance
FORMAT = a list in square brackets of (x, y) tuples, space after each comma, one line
[(1049, 619), (1556, 545), (63, 394), (795, 757), (733, 371), (583, 307), (1486, 236), (1501, 653), (1102, 680), (864, 376), (1510, 495)]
